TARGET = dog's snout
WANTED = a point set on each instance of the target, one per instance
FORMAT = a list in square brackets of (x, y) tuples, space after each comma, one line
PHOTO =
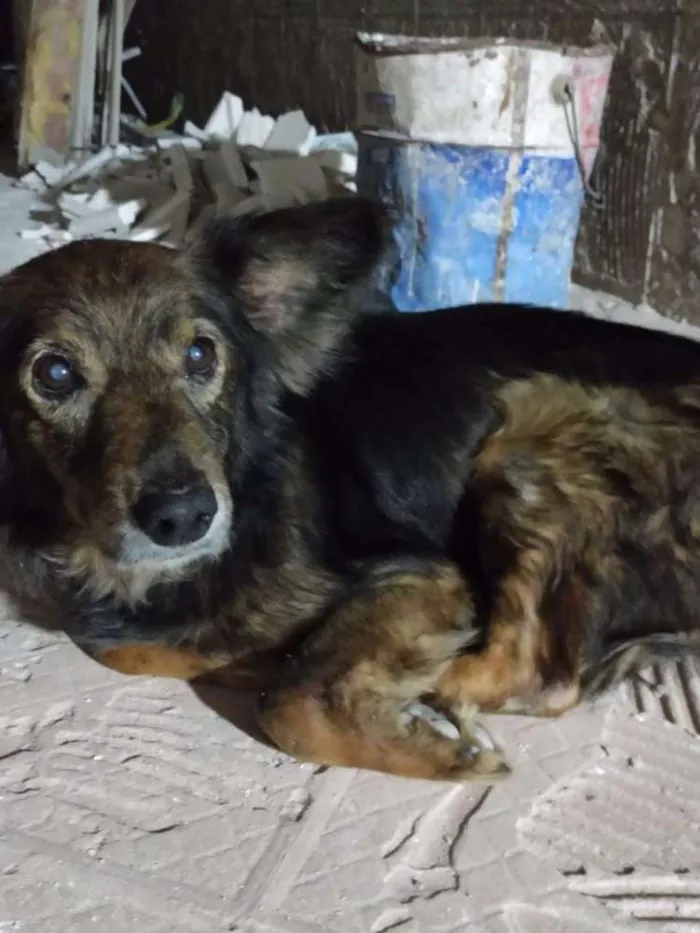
[(174, 517)]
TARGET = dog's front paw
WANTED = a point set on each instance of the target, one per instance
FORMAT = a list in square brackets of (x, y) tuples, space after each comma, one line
[(464, 752)]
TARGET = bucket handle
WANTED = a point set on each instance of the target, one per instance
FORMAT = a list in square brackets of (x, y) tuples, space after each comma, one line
[(563, 93)]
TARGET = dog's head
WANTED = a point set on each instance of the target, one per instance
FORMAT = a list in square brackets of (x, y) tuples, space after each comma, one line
[(136, 382)]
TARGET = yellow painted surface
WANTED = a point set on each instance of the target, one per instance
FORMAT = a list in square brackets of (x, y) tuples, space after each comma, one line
[(51, 68)]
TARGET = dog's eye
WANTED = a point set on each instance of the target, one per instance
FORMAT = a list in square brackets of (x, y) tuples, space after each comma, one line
[(200, 357), (54, 376)]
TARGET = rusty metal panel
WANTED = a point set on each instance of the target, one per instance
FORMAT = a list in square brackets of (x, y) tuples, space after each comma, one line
[(50, 75), (613, 244), (674, 269)]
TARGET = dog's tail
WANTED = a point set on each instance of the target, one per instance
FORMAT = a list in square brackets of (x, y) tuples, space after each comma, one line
[(627, 657)]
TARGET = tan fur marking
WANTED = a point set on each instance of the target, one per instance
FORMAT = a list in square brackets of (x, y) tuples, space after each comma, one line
[(159, 661)]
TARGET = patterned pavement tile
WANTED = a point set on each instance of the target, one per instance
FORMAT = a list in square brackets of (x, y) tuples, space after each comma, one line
[(126, 805)]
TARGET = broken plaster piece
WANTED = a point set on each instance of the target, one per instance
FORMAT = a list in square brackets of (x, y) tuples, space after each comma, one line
[(292, 133), (179, 163), (117, 218), (337, 161), (294, 180), (220, 179), (43, 175), (191, 129), (100, 160), (163, 216), (74, 205), (254, 129), (170, 140), (233, 165), (36, 233), (32, 181), (144, 234), (225, 118)]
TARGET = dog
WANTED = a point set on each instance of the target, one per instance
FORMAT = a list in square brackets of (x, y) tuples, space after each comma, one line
[(215, 460)]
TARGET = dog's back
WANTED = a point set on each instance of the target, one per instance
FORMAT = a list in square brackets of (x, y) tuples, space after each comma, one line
[(480, 429)]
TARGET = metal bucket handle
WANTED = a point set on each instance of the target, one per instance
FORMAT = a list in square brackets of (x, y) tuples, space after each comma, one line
[(563, 93)]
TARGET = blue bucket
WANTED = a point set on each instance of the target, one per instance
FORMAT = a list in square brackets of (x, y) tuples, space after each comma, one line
[(482, 148), (473, 224)]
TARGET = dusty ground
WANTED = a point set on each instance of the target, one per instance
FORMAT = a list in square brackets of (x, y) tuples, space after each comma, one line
[(127, 807)]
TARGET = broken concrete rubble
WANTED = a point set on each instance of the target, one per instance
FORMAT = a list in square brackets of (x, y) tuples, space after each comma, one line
[(160, 189)]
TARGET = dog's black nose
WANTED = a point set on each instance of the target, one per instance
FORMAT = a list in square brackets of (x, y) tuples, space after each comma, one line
[(175, 517)]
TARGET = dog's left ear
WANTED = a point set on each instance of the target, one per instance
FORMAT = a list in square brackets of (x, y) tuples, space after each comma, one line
[(290, 272)]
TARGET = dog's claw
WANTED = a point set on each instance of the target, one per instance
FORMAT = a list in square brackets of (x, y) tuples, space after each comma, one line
[(435, 719), (483, 737), (477, 754)]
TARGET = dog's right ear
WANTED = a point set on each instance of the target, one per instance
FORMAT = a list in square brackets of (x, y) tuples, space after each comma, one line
[(290, 271)]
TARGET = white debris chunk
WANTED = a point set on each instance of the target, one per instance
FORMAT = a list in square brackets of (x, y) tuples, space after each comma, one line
[(43, 175), (194, 131), (296, 806), (337, 154), (36, 233), (225, 119), (254, 129), (73, 206), (292, 133), (343, 142), (336, 161), (92, 165), (186, 142), (97, 223), (145, 234), (101, 200), (161, 217), (51, 174), (129, 210), (33, 181)]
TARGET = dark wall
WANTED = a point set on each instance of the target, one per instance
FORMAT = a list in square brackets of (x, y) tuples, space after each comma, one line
[(8, 80), (6, 38), (279, 54)]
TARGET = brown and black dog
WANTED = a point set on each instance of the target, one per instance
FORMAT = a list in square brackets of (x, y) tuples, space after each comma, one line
[(213, 460)]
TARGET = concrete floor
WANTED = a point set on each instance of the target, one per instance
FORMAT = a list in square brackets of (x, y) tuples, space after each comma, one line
[(126, 805)]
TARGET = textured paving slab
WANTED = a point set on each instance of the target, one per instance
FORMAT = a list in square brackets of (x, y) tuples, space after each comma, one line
[(126, 805)]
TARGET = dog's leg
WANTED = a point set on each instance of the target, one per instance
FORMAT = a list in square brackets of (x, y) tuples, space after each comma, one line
[(541, 506), (360, 691), (530, 663)]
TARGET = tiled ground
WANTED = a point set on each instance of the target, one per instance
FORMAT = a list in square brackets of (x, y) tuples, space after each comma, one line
[(126, 805)]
